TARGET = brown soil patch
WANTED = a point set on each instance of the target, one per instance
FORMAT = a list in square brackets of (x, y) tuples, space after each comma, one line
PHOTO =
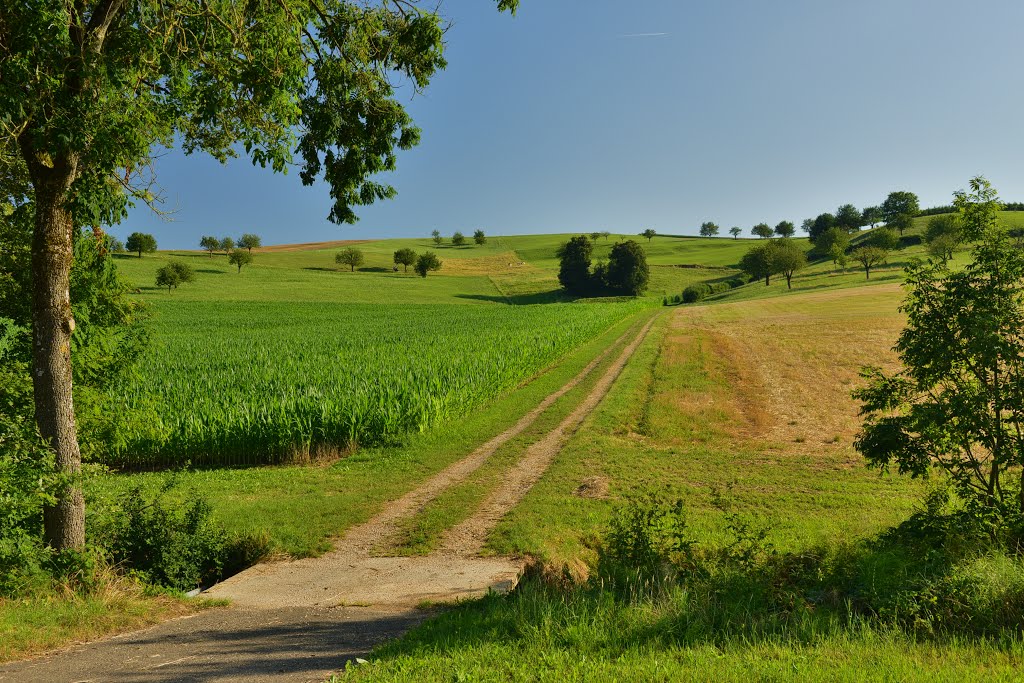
[(791, 363), (593, 487), (493, 264), (309, 246)]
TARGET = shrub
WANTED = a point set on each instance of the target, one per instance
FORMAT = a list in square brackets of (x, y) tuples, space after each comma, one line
[(646, 539), (173, 274), (179, 547), (695, 293), (426, 262), (627, 272)]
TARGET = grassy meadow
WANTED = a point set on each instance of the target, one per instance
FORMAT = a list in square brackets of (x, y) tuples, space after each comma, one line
[(739, 406)]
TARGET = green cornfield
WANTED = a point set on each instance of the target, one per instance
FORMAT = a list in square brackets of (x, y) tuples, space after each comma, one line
[(270, 382)]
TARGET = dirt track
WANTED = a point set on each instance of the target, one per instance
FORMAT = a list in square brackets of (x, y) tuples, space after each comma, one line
[(300, 620)]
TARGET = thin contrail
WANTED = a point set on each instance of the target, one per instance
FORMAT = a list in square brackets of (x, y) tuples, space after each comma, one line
[(643, 35)]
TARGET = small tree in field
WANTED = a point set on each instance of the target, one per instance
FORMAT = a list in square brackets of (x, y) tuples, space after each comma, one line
[(869, 257), (736, 231), (140, 242), (349, 257), (173, 274), (405, 257), (898, 210), (240, 257), (226, 245), (787, 259), (426, 262), (594, 237), (762, 230), (574, 265), (209, 243), (458, 239), (649, 234), (833, 243), (605, 234), (479, 237), (785, 229), (249, 241), (436, 236), (627, 272), (708, 229), (956, 405), (759, 262)]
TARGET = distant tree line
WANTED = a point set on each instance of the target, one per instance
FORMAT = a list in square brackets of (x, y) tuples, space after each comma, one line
[(458, 239)]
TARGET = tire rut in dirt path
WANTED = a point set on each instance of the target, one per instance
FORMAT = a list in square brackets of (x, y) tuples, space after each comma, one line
[(352, 575), (468, 537)]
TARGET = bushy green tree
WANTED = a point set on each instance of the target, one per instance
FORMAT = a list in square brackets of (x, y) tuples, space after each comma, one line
[(819, 225), (350, 256), (785, 229), (173, 274), (227, 244), (848, 218), (405, 257), (479, 237), (458, 239), (957, 404), (735, 231), (787, 258), (899, 209), (627, 271), (871, 216), (759, 262), (209, 243), (240, 257), (943, 235), (574, 265), (708, 229), (833, 243), (649, 233), (89, 89), (426, 262), (868, 257), (249, 241), (436, 236), (762, 230), (140, 242)]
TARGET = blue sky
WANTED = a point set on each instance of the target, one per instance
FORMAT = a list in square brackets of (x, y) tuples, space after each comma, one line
[(568, 118)]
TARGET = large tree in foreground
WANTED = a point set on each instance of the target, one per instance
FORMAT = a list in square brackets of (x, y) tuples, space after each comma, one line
[(89, 88), (957, 405)]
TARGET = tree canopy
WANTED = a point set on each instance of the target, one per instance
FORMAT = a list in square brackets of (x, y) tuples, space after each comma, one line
[(762, 230), (785, 229), (240, 257), (956, 405), (708, 229), (140, 242), (627, 271), (405, 257), (89, 90), (249, 241), (426, 262), (735, 231), (350, 256), (574, 265), (899, 209)]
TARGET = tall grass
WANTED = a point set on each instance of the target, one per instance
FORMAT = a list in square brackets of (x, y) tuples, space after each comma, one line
[(251, 383)]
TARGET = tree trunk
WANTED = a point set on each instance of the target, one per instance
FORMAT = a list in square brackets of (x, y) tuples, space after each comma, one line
[(52, 325)]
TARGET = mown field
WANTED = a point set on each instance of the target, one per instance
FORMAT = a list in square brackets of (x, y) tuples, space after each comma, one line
[(743, 411)]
